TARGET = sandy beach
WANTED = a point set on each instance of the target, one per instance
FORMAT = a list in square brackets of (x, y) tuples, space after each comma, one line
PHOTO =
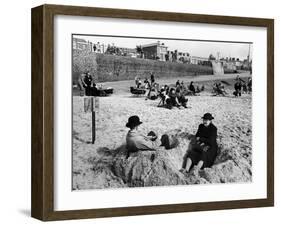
[(232, 118)]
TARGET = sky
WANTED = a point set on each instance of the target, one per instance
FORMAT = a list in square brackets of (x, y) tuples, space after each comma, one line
[(194, 48)]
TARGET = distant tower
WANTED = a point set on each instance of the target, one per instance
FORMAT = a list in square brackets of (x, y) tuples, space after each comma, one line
[(218, 55), (248, 57)]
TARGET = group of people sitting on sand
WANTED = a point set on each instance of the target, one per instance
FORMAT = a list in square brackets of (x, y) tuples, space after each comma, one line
[(201, 153), (218, 89), (193, 91), (173, 96)]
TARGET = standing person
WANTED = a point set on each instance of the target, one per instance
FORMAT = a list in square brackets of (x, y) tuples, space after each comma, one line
[(152, 79), (204, 151), (88, 80), (238, 88), (135, 141), (81, 83), (249, 84), (245, 87), (136, 81)]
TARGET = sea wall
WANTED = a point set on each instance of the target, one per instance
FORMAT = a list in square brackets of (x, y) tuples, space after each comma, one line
[(116, 68)]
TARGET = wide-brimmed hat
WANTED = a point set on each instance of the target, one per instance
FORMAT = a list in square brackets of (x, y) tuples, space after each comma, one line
[(208, 116), (133, 121)]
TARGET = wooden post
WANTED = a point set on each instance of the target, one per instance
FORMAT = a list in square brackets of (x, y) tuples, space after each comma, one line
[(93, 121), (93, 127), (91, 104)]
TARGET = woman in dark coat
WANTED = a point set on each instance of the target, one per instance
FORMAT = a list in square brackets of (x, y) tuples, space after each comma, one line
[(204, 151)]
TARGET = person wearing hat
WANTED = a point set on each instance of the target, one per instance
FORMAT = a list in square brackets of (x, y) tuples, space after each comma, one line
[(203, 151), (88, 81), (135, 141)]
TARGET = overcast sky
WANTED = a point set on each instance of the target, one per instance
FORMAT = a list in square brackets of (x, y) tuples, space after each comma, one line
[(195, 48)]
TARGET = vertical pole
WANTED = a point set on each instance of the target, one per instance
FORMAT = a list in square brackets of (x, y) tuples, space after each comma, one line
[(93, 127), (93, 121)]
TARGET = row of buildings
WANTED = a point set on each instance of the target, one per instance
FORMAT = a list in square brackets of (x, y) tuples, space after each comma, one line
[(158, 51)]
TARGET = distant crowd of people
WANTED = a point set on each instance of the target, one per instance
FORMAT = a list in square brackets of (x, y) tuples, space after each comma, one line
[(242, 86), (171, 96)]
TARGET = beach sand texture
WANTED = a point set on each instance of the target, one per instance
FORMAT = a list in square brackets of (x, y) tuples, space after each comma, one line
[(104, 165)]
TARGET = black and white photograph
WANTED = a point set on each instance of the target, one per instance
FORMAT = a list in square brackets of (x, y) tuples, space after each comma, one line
[(156, 111)]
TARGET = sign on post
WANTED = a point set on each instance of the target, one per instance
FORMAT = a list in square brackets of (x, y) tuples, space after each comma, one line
[(91, 104)]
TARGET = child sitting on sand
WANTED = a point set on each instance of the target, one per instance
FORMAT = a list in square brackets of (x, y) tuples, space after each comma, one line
[(204, 151)]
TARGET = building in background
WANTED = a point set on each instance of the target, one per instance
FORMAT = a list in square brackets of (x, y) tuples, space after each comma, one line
[(176, 56), (155, 51), (200, 60), (80, 44)]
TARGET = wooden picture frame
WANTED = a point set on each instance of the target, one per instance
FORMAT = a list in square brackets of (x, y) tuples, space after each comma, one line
[(42, 203)]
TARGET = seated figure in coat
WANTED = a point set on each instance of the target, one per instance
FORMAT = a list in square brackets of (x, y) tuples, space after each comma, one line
[(136, 141), (203, 151)]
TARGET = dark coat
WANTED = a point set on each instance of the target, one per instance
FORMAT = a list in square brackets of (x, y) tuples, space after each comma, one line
[(192, 88), (238, 86), (208, 136), (88, 82)]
